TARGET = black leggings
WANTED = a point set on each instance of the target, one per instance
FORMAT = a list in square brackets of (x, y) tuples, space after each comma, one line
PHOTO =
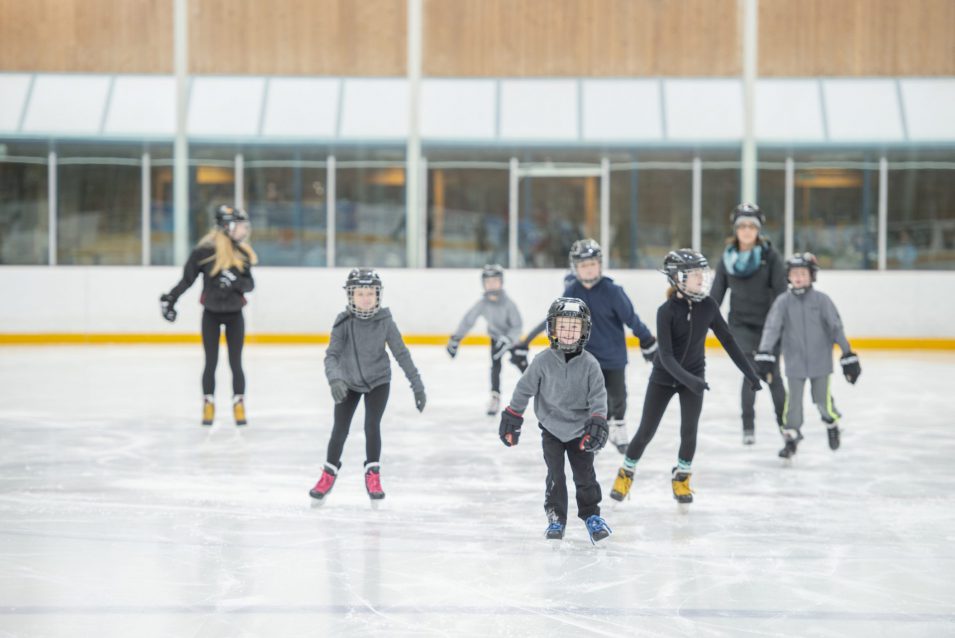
[(234, 337), (616, 383), (496, 369), (375, 402), (654, 405)]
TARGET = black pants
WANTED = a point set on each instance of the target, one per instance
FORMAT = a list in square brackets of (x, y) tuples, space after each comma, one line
[(375, 402), (616, 382), (496, 369), (234, 324), (748, 338), (654, 405), (585, 478)]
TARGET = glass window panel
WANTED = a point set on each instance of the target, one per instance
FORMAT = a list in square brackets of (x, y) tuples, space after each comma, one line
[(286, 200), (720, 193), (211, 182), (554, 213), (161, 206), (24, 210), (650, 206), (370, 214), (836, 204), (99, 210), (467, 217), (921, 212), (771, 199)]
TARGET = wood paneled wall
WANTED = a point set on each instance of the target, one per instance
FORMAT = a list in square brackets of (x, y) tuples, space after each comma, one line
[(298, 37), (581, 37), (856, 37), (123, 36)]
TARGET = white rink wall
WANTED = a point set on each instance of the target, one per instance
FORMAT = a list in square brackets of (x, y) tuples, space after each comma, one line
[(110, 300)]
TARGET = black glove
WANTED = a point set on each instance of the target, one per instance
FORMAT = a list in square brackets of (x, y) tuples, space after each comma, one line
[(226, 279), (519, 356), (850, 366), (755, 385), (339, 390), (167, 307), (452, 347), (648, 347), (420, 399), (765, 364), (510, 430), (595, 435), (499, 347)]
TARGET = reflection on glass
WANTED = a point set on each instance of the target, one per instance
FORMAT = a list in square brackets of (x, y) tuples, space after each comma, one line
[(212, 182), (921, 224), (467, 217), (370, 216), (720, 193), (99, 212), (286, 201), (835, 212), (554, 213), (649, 212), (24, 213), (161, 215), (771, 199)]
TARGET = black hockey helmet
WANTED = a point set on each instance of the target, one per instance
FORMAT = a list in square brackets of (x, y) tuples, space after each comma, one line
[(491, 271), (228, 216), (804, 260), (363, 278), (747, 212), (584, 249), (568, 307), (679, 263)]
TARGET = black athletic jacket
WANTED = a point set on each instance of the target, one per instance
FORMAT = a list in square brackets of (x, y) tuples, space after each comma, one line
[(752, 296), (681, 335), (223, 293)]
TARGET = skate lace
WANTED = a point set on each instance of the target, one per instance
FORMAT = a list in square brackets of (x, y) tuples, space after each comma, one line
[(555, 526), (373, 482), (595, 524), (325, 482)]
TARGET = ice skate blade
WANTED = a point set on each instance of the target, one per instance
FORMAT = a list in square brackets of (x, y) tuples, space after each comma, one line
[(376, 503), (316, 503), (683, 508)]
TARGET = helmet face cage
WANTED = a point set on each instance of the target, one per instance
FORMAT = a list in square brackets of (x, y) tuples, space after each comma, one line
[(228, 217), (363, 278), (573, 308), (491, 271), (581, 250), (679, 264)]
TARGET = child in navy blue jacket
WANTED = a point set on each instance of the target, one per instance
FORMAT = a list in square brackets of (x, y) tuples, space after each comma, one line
[(611, 310)]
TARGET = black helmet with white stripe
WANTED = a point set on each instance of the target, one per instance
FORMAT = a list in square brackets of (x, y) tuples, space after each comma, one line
[(363, 278), (573, 308), (679, 264)]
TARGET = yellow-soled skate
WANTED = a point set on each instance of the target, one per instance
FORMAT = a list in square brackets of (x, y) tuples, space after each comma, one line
[(622, 484), (208, 410), (681, 487), (238, 409)]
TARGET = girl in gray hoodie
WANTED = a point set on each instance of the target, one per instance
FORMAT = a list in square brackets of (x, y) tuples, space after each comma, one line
[(357, 365)]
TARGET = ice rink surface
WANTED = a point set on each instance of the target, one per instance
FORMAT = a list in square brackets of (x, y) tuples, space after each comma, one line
[(121, 516)]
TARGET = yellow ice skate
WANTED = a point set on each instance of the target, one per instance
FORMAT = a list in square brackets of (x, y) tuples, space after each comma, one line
[(238, 409), (208, 410), (681, 486), (621, 485)]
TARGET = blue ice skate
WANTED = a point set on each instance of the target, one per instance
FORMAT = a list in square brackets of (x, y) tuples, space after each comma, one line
[(598, 529), (555, 531)]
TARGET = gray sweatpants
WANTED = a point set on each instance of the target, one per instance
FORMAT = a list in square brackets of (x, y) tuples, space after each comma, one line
[(821, 397)]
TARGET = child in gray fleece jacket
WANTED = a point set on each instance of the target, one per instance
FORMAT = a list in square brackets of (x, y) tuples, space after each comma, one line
[(357, 365), (503, 324), (809, 325), (570, 402)]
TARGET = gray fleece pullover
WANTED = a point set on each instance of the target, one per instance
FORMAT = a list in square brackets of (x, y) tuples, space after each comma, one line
[(565, 392), (809, 324), (503, 319), (356, 352)]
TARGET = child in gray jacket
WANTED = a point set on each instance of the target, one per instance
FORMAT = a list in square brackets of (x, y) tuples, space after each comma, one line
[(570, 402), (503, 324), (357, 366), (809, 325)]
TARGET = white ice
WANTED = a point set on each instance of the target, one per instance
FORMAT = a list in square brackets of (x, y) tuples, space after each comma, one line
[(121, 516)]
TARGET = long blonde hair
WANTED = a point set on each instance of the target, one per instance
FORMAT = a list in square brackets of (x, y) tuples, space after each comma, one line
[(226, 256)]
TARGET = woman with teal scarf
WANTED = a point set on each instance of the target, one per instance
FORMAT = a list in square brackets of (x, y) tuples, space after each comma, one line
[(752, 269)]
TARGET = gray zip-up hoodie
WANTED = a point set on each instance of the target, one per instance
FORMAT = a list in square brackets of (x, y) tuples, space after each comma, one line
[(565, 392), (503, 319), (809, 324), (356, 352)]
